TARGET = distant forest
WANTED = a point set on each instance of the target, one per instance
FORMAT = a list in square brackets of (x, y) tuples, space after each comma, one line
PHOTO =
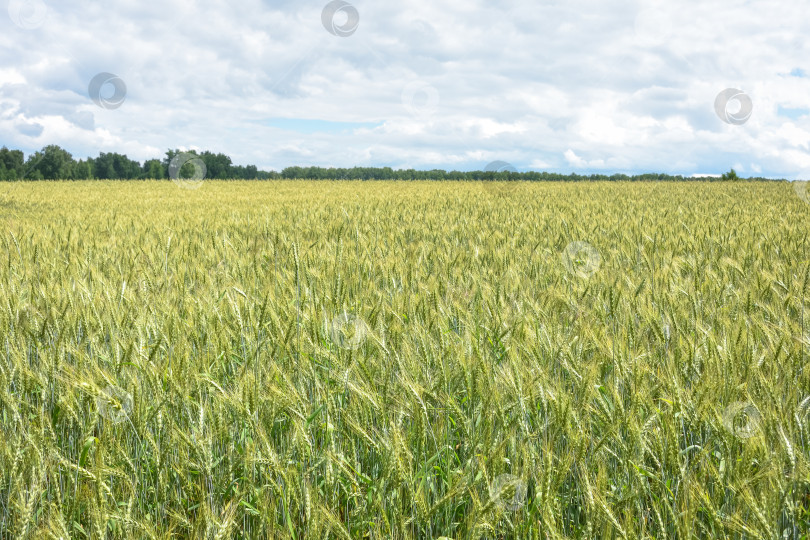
[(56, 163)]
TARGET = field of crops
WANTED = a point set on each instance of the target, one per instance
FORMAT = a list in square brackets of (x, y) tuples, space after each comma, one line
[(404, 360)]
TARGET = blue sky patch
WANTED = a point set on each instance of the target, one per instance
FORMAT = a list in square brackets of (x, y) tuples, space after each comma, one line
[(793, 114), (308, 125)]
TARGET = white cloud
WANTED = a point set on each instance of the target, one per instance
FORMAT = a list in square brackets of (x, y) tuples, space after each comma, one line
[(626, 86)]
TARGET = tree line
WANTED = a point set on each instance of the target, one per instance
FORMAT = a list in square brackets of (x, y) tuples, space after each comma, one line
[(56, 163)]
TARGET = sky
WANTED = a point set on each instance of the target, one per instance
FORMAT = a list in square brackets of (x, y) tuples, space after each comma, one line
[(585, 86)]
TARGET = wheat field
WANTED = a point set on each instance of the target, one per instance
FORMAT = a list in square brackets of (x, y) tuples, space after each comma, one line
[(404, 360)]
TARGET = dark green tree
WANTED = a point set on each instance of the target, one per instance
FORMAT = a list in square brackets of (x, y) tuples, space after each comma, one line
[(153, 169), (217, 165), (730, 175), (52, 163), (113, 166), (13, 162), (82, 170)]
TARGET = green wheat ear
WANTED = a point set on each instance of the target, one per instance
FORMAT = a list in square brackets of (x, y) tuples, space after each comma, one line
[(652, 387)]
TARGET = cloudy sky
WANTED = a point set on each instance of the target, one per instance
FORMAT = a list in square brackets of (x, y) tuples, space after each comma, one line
[(566, 86)]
